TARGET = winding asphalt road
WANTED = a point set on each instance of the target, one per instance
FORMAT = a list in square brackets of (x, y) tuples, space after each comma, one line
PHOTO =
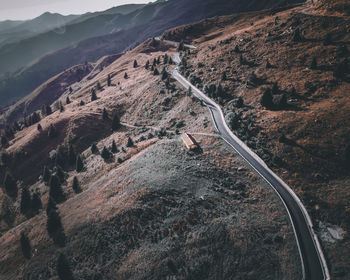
[(313, 262)]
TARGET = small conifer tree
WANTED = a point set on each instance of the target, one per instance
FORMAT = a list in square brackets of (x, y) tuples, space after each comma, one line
[(64, 271), (135, 63), (105, 114), (51, 206), (46, 174), (36, 203), (25, 201), (52, 131), (94, 149), (75, 185), (10, 185), (56, 192), (79, 166), (164, 74), (105, 154), (115, 122), (114, 147), (130, 142), (93, 94), (71, 155), (25, 246)]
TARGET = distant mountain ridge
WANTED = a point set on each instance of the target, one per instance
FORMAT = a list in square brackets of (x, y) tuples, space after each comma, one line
[(149, 21), (13, 31)]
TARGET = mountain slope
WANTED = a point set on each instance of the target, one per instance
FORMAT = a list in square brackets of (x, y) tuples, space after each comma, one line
[(283, 79), (151, 20), (154, 210)]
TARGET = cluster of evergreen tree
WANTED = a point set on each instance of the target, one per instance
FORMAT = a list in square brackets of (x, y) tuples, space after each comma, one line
[(46, 110), (215, 91)]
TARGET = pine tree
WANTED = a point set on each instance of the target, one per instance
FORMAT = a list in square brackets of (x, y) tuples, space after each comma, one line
[(25, 201), (297, 37), (25, 246), (46, 110), (55, 229), (70, 90), (52, 131), (167, 83), (189, 91), (72, 157), (181, 46), (79, 164), (10, 186), (36, 204), (61, 107), (114, 148), (82, 103), (158, 60), (51, 206), (240, 102), (64, 271), (115, 122), (39, 127), (130, 143), (46, 174), (93, 94), (166, 58), (53, 223), (126, 76), (60, 173), (135, 63), (154, 62), (147, 65), (56, 192), (94, 149), (75, 185), (105, 114), (313, 63), (164, 74), (155, 72), (67, 100), (224, 76), (171, 61), (98, 86), (61, 156), (105, 154), (267, 99), (109, 80)]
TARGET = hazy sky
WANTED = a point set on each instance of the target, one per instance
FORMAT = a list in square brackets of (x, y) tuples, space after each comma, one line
[(27, 9)]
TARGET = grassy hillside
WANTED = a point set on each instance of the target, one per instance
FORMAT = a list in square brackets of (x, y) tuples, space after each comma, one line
[(284, 79), (153, 210)]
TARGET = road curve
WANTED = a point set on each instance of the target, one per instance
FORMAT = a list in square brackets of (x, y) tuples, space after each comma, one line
[(313, 262)]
